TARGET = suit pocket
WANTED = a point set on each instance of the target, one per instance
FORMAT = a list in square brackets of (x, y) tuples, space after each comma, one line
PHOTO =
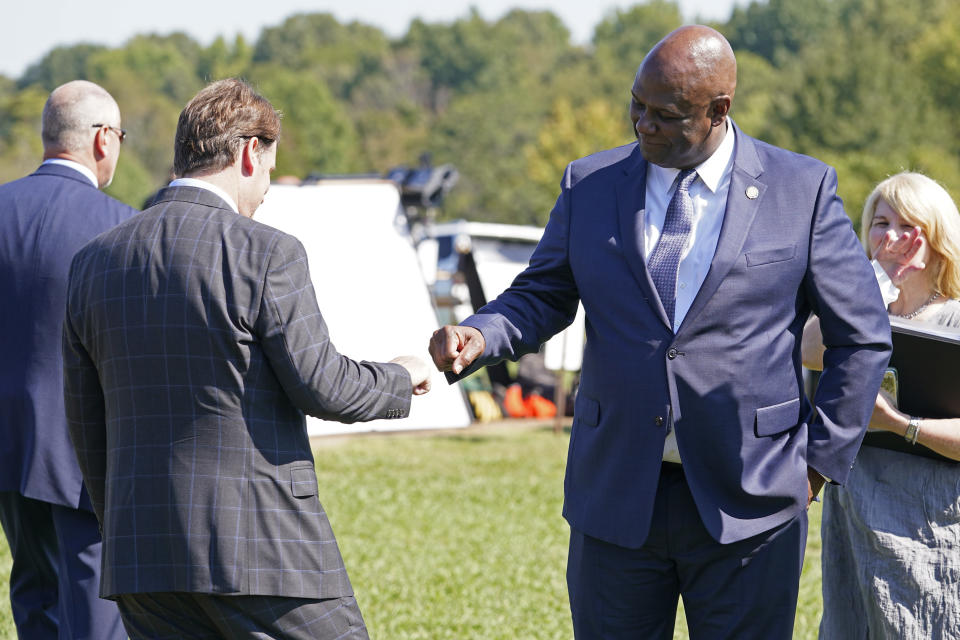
[(587, 411), (778, 418), (766, 256), (303, 482)]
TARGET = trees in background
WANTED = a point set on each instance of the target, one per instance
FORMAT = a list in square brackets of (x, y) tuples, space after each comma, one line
[(867, 85), (849, 85)]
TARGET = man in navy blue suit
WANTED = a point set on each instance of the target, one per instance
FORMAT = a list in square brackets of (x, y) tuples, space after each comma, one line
[(46, 514), (698, 254)]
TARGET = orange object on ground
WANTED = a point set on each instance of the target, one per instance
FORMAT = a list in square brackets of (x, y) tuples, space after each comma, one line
[(533, 406), (540, 407), (513, 402)]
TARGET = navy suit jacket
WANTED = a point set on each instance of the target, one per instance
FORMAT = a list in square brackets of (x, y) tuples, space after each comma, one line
[(730, 376), (193, 347), (44, 219)]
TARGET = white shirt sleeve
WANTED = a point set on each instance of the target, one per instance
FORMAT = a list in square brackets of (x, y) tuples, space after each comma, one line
[(888, 290)]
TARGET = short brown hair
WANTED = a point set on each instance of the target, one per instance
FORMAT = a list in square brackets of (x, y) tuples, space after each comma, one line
[(215, 124)]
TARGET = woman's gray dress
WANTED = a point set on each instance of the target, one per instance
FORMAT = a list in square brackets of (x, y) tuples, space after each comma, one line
[(891, 544)]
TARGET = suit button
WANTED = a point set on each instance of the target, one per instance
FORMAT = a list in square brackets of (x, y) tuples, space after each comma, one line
[(672, 354), (658, 421)]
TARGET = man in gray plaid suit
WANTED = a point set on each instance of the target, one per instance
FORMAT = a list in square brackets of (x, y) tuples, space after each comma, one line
[(193, 347)]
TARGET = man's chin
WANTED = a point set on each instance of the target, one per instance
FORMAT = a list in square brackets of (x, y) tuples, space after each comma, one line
[(653, 153)]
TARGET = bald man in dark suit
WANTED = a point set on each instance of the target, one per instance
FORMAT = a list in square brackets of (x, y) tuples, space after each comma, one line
[(46, 513), (698, 253)]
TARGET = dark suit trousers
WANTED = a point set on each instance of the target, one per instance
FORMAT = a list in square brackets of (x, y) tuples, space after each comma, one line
[(55, 578), (746, 589), (205, 616)]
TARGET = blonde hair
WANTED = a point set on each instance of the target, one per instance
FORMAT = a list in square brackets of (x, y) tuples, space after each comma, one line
[(922, 202)]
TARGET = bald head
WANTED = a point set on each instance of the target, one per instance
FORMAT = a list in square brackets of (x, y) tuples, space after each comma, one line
[(69, 132), (681, 97), (695, 57), (70, 113)]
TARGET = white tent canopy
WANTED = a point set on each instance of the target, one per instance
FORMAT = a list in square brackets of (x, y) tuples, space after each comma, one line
[(369, 285)]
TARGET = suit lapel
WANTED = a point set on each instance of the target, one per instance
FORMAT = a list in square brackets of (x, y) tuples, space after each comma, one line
[(737, 220), (631, 202)]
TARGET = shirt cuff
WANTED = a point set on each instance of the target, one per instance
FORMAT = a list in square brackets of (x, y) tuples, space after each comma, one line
[(888, 290)]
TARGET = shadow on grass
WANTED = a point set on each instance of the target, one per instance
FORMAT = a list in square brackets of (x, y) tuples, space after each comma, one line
[(565, 429), (474, 439)]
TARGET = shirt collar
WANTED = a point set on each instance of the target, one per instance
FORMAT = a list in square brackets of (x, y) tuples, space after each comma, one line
[(76, 166), (710, 170), (209, 186)]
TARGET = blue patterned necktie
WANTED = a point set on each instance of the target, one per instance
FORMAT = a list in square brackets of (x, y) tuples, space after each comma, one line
[(665, 259)]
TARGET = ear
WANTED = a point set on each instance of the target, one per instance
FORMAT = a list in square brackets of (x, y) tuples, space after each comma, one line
[(719, 108), (249, 156), (101, 142)]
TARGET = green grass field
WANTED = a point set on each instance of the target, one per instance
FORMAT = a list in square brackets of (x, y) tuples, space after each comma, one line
[(458, 535)]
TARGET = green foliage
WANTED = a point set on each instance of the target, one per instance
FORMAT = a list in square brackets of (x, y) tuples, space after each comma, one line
[(7, 629), (777, 29), (459, 57), (936, 55), (20, 146), (152, 78), (132, 182), (390, 110), (322, 138), (853, 95), (340, 54), (627, 35), (221, 60), (61, 65), (757, 98), (473, 131), (568, 133), (624, 37), (532, 47), (165, 65), (150, 118), (859, 172), (521, 51)]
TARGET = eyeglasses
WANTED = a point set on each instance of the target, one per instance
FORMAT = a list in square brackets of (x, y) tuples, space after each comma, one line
[(121, 133)]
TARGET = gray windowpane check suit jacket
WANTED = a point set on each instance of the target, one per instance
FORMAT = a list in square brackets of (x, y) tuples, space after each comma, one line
[(193, 347)]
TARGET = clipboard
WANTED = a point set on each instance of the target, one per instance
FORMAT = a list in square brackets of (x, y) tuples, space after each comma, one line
[(927, 363)]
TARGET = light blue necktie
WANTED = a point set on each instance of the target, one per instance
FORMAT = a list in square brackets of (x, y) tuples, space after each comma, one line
[(665, 259)]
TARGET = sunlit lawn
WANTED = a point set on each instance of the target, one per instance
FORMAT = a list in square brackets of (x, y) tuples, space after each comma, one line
[(458, 535)]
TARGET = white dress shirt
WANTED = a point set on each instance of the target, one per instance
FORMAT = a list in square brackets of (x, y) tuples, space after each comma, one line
[(709, 195), (209, 186), (76, 166)]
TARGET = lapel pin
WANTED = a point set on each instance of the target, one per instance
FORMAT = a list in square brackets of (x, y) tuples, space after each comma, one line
[(753, 192)]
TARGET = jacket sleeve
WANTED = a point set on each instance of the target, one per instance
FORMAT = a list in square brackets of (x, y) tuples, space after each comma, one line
[(318, 380), (86, 418), (541, 302), (843, 292)]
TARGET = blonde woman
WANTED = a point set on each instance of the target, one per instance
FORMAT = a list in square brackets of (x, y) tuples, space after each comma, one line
[(891, 535)]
